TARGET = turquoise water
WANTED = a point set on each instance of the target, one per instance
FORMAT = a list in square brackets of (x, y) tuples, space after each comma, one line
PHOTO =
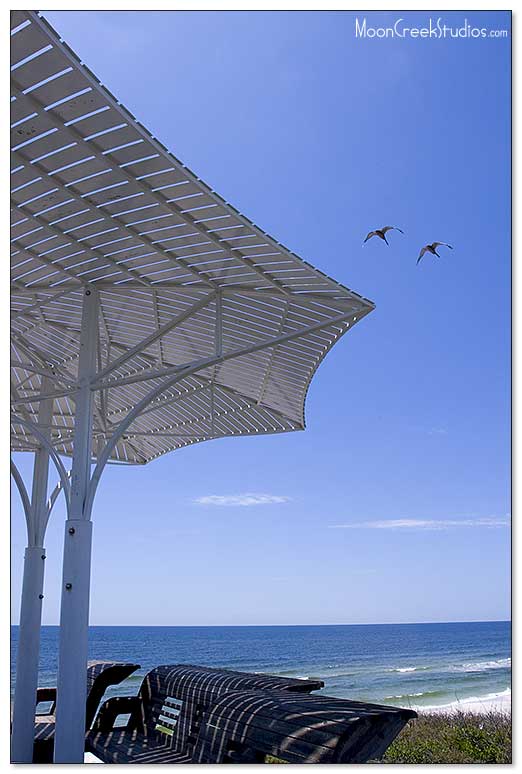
[(404, 664)]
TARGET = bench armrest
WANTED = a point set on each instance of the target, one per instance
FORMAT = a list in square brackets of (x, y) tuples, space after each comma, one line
[(46, 695), (112, 708)]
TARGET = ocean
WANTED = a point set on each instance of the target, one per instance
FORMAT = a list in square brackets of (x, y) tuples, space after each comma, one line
[(409, 665)]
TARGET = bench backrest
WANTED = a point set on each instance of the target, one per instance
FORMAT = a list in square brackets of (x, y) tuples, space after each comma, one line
[(175, 697), (245, 726), (101, 674), (234, 680)]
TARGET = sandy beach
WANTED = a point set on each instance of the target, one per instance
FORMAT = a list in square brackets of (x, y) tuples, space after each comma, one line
[(494, 702)]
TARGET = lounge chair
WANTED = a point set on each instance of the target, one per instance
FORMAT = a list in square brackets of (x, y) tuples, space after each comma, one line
[(188, 714), (100, 675)]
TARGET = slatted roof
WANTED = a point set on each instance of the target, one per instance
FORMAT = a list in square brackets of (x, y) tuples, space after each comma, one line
[(188, 286)]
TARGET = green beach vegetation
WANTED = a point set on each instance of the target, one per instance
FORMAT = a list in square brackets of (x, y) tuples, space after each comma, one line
[(450, 737), (454, 737)]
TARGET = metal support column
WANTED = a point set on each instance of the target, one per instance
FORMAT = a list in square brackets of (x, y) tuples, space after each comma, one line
[(22, 738), (74, 620), (24, 707)]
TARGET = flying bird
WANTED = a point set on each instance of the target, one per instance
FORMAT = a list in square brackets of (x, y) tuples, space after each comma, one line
[(381, 232), (432, 249)]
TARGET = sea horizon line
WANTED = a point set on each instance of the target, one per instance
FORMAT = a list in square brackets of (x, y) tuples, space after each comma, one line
[(287, 626)]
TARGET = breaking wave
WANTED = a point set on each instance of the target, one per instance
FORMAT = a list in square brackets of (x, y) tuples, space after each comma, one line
[(483, 666)]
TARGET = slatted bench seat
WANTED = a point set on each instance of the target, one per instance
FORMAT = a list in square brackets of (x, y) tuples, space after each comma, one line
[(100, 675), (122, 746), (187, 714)]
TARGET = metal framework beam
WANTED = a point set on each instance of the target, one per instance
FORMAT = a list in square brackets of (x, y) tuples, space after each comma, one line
[(51, 297), (42, 438), (22, 490), (36, 370), (157, 334), (210, 361), (37, 397), (54, 495)]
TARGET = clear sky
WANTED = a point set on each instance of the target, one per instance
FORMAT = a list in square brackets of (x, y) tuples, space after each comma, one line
[(394, 505)]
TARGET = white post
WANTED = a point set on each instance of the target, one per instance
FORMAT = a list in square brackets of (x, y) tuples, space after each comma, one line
[(69, 740), (22, 739)]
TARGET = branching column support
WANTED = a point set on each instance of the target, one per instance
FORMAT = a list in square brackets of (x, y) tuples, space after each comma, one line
[(37, 514), (74, 620)]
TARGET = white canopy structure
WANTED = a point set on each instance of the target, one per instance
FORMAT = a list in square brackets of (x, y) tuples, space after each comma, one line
[(147, 314)]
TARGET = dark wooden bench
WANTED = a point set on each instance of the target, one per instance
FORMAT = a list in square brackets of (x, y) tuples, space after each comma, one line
[(165, 690), (188, 714), (100, 675)]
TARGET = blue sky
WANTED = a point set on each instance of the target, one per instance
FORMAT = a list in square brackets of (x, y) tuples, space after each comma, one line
[(394, 505)]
